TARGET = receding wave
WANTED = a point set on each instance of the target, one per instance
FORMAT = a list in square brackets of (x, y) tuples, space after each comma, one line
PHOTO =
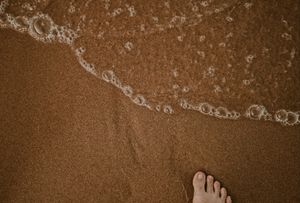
[(224, 59)]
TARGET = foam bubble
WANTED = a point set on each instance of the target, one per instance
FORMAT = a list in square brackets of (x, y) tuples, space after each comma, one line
[(185, 89), (231, 115), (281, 115), (79, 51), (41, 27), (292, 118), (221, 112), (127, 90), (184, 104), (168, 109), (157, 107), (9, 21), (22, 23), (206, 108), (236, 115), (255, 112), (87, 66), (116, 82), (65, 35), (3, 6), (267, 116), (139, 100), (107, 75)]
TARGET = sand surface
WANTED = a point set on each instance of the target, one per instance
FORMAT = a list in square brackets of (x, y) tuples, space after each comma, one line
[(66, 136)]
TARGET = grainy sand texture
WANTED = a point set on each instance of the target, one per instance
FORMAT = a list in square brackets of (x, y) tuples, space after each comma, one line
[(73, 130)]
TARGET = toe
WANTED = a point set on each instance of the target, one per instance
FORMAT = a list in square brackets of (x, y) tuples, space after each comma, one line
[(223, 193), (217, 186), (199, 182), (228, 199), (209, 184)]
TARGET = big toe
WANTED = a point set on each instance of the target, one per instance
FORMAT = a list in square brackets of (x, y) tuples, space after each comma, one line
[(199, 182)]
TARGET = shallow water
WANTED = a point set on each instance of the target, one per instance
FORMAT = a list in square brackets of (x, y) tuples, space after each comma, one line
[(227, 59)]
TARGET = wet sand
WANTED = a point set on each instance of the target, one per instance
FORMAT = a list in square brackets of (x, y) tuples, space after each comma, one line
[(66, 136)]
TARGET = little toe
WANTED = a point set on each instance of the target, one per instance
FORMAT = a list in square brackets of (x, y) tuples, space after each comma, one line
[(199, 182), (228, 199), (209, 184)]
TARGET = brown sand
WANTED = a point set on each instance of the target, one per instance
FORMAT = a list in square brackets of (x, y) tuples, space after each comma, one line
[(66, 136)]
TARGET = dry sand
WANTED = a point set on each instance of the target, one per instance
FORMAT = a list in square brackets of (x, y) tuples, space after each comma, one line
[(66, 136)]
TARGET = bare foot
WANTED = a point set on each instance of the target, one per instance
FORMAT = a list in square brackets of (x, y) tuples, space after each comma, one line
[(206, 190)]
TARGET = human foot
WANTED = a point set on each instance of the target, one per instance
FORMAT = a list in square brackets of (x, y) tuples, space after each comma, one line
[(206, 190)]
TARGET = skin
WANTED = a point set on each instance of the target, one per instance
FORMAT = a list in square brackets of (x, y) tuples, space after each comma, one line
[(207, 190)]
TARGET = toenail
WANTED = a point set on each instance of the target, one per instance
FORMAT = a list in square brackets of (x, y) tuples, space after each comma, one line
[(200, 176)]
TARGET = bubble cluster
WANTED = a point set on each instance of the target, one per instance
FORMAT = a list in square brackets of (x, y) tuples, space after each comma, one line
[(79, 51), (65, 35), (168, 109), (20, 24), (87, 66), (287, 117), (107, 75), (41, 27), (281, 116), (127, 90), (210, 110), (139, 100), (256, 112), (183, 103), (110, 77), (3, 5), (221, 112), (205, 108)]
